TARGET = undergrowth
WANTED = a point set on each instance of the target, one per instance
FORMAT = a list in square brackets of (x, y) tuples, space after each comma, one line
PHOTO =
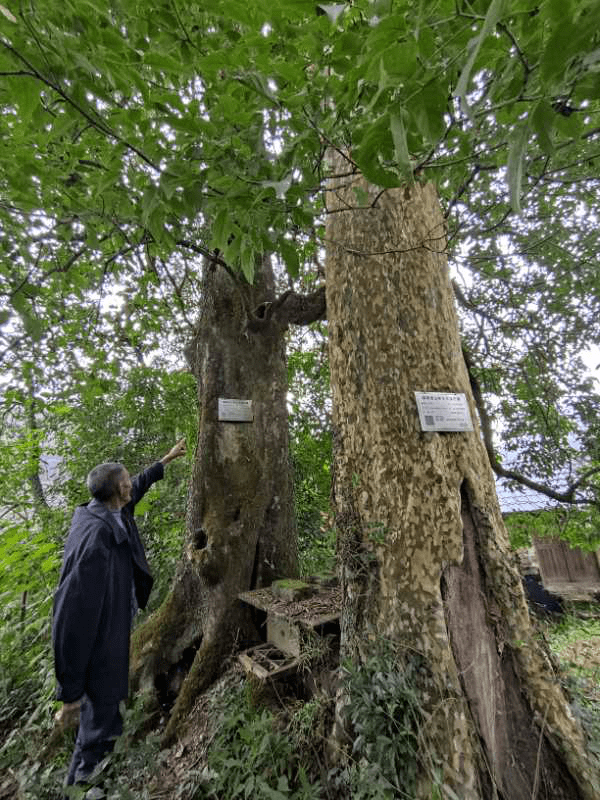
[(576, 643), (384, 716), (253, 756)]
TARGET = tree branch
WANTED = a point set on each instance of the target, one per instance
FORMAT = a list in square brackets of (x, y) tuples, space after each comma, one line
[(568, 496), (98, 123), (290, 308)]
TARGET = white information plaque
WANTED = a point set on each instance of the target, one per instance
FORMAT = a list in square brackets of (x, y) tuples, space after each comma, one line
[(443, 411), (235, 410)]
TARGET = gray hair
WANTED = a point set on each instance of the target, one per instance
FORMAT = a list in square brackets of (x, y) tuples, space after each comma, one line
[(102, 480)]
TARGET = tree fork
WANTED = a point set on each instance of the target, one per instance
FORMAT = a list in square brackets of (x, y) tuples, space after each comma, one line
[(425, 512)]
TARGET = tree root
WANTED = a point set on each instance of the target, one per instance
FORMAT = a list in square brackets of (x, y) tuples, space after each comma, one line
[(207, 664)]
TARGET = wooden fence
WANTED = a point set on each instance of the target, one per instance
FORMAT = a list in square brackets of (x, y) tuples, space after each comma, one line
[(560, 564)]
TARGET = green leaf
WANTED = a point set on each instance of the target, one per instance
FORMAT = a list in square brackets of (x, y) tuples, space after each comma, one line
[(514, 165), (220, 231), (428, 110), (247, 259), (400, 144), (542, 120), (290, 256), (560, 49), (29, 97), (375, 143), (492, 16)]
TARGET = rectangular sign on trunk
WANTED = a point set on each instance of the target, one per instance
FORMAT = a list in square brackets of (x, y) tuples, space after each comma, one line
[(235, 410), (443, 411)]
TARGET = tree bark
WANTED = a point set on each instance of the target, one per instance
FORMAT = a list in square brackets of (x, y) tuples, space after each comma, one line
[(239, 527), (425, 560)]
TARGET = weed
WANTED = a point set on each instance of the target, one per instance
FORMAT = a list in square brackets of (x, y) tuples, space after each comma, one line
[(385, 716), (252, 757), (576, 642)]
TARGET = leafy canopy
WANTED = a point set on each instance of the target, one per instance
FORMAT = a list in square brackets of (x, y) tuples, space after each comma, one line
[(136, 137)]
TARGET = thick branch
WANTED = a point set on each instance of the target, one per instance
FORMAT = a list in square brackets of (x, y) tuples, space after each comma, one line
[(568, 496), (290, 308)]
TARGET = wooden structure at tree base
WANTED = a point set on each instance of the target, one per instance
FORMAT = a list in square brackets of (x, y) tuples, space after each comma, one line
[(296, 612)]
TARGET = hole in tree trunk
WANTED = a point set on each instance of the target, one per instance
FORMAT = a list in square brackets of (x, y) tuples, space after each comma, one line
[(200, 539), (520, 760), (168, 684)]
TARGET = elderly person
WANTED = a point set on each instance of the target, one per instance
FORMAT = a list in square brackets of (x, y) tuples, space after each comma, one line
[(104, 579)]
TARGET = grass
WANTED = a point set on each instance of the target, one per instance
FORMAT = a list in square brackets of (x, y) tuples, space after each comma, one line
[(575, 641)]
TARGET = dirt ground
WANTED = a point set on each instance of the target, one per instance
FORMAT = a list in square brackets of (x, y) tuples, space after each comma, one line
[(186, 759)]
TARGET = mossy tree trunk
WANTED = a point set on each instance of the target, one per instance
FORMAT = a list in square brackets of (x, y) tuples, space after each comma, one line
[(425, 560), (240, 527)]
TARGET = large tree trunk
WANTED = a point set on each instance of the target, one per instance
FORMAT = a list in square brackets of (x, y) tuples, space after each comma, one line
[(240, 528), (425, 560)]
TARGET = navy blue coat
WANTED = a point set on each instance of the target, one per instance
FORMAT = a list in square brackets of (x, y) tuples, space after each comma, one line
[(93, 602)]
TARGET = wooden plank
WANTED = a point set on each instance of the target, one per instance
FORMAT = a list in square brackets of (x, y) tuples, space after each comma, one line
[(560, 563), (251, 666), (258, 661)]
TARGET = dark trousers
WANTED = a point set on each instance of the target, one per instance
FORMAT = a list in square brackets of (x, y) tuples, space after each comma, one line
[(99, 725)]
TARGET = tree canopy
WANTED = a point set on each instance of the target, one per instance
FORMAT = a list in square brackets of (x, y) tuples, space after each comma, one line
[(137, 138)]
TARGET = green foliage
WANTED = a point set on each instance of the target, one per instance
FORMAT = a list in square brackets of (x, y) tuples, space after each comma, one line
[(385, 712), (575, 640), (310, 445), (252, 757), (135, 421), (572, 628), (171, 130), (579, 527)]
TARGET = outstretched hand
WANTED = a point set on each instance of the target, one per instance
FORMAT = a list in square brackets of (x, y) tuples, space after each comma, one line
[(175, 452)]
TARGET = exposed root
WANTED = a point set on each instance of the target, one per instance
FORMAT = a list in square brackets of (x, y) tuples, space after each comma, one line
[(160, 642), (207, 665)]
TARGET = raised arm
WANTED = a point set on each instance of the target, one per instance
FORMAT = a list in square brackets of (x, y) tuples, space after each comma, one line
[(142, 482), (175, 452)]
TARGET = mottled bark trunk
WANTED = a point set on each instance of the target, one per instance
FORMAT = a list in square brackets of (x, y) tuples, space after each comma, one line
[(240, 528), (425, 560)]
